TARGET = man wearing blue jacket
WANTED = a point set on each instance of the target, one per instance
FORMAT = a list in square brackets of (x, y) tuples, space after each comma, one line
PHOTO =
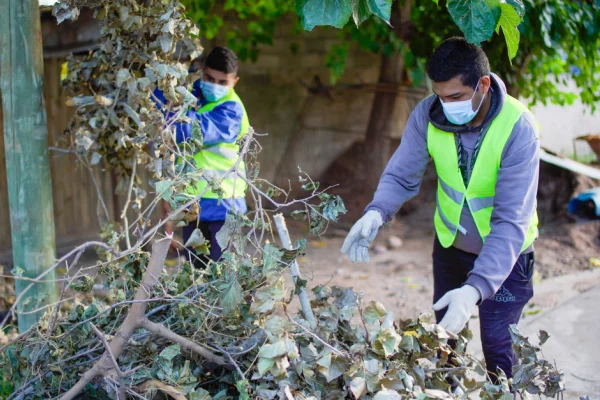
[(485, 147), (222, 119)]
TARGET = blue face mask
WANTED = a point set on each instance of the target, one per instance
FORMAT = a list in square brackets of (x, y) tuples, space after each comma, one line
[(461, 112), (213, 91)]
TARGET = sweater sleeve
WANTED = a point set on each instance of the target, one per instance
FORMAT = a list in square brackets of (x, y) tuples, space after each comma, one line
[(403, 174), (514, 205)]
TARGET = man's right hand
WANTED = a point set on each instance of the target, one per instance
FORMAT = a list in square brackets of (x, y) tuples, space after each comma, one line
[(361, 235)]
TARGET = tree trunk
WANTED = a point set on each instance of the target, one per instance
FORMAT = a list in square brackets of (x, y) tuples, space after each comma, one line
[(377, 143), (26, 147)]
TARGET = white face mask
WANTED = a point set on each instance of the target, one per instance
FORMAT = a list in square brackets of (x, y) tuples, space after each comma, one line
[(461, 112)]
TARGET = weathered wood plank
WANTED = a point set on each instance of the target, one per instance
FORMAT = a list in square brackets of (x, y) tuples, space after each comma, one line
[(26, 152)]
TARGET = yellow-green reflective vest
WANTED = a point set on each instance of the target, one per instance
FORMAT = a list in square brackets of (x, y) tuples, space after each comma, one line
[(217, 159), (479, 195)]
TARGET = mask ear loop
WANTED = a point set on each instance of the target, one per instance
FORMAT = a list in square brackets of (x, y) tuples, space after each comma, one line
[(482, 97)]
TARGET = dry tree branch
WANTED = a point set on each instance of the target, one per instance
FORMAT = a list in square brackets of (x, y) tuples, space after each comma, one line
[(126, 206), (77, 249), (284, 235), (115, 365), (232, 361), (187, 344), (136, 319), (317, 338)]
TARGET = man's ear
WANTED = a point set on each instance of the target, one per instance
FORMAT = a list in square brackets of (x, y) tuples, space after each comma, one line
[(237, 78), (486, 82)]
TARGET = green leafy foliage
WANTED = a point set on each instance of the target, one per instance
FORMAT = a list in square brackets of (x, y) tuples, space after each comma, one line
[(324, 12), (556, 38), (382, 358), (509, 20), (337, 12), (557, 45), (83, 284), (534, 374), (256, 26), (476, 18)]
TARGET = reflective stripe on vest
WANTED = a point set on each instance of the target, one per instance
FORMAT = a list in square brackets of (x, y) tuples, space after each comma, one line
[(451, 192), (217, 159)]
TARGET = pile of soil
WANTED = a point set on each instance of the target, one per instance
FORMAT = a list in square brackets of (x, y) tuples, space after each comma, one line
[(566, 247)]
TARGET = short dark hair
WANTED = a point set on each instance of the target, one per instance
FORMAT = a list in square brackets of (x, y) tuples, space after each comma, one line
[(457, 57), (222, 59)]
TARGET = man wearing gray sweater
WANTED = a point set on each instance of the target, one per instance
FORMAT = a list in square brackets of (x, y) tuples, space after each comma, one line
[(485, 148)]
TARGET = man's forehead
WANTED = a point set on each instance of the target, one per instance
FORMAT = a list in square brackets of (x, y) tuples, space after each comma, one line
[(218, 75), (450, 87)]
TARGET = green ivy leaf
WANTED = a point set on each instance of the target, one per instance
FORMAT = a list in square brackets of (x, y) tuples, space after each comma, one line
[(170, 352), (543, 337), (84, 284), (323, 12), (273, 350), (267, 297), (232, 295), (387, 394), (200, 394), (386, 343), (332, 207), (381, 8), (299, 285), (358, 387), (271, 257), (242, 388), (518, 6), (509, 20), (332, 367), (410, 344), (477, 19), (374, 311), (300, 215), (360, 11), (164, 189), (226, 231), (263, 366)]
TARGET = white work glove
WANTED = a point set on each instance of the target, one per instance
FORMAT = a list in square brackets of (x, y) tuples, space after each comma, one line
[(460, 303), (361, 235)]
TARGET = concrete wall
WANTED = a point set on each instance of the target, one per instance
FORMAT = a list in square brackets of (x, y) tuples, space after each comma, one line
[(308, 122), (561, 125)]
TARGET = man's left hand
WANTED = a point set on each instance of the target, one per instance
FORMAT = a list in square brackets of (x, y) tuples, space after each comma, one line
[(460, 303)]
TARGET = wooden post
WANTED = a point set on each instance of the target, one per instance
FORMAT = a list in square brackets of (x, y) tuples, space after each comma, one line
[(26, 148)]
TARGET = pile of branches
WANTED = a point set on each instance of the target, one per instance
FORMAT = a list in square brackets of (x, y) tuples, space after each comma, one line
[(230, 330)]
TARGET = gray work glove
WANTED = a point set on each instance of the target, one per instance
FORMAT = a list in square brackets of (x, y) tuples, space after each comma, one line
[(460, 303), (361, 235)]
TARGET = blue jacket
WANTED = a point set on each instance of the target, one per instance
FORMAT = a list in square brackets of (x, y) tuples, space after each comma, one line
[(220, 125)]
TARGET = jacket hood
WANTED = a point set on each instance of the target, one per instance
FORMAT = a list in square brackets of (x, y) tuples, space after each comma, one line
[(439, 120)]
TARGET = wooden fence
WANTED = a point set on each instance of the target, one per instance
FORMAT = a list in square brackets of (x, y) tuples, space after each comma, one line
[(74, 194)]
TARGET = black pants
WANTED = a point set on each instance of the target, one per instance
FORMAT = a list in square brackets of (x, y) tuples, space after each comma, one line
[(450, 269), (209, 231)]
